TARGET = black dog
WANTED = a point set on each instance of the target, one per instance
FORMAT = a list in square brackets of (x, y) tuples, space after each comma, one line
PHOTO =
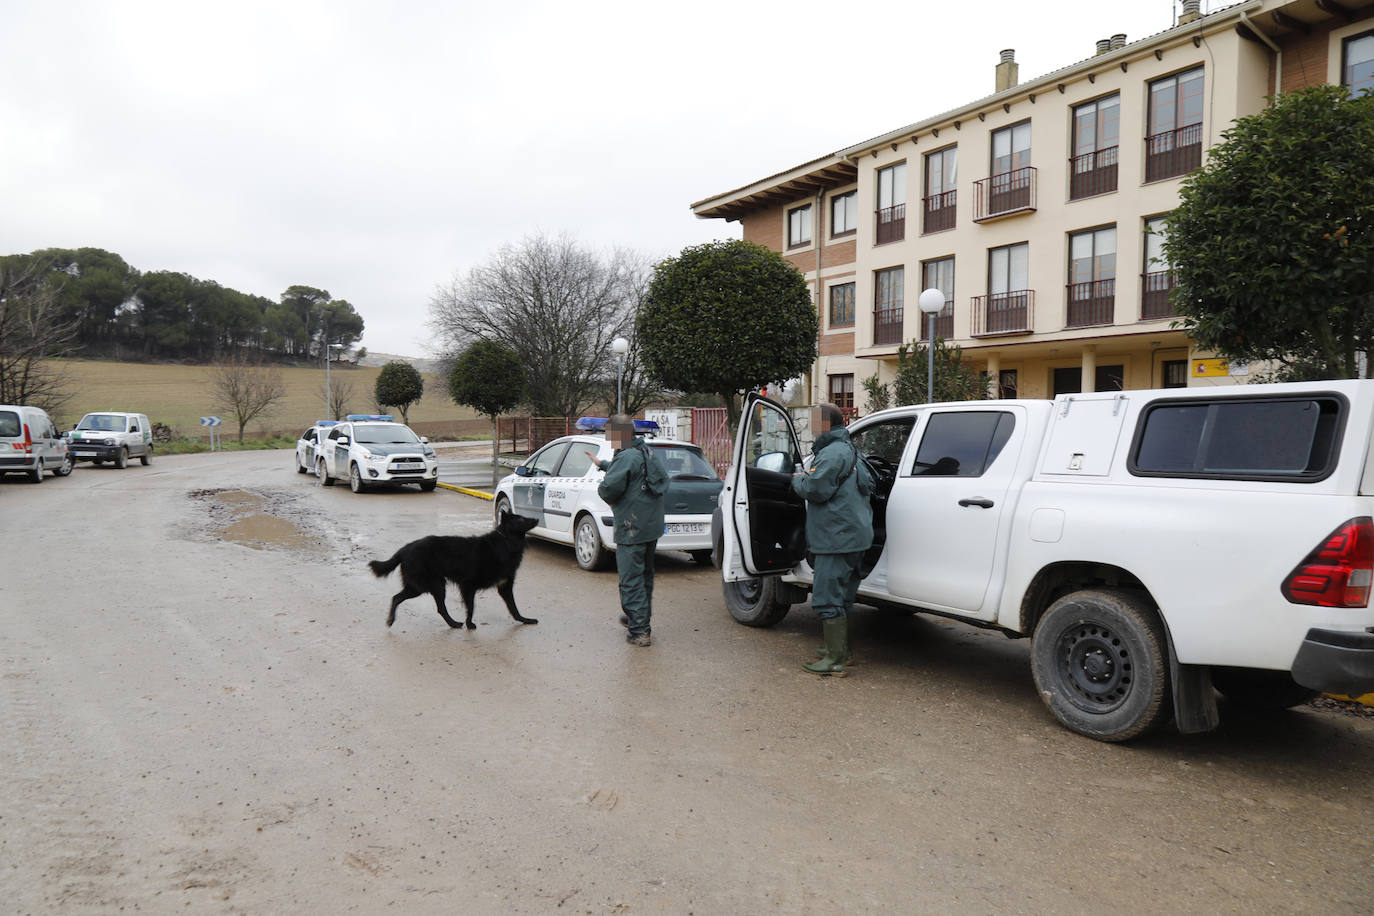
[(472, 563)]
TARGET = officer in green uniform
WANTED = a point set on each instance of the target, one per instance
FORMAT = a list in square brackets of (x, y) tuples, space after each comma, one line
[(633, 487), (839, 528)]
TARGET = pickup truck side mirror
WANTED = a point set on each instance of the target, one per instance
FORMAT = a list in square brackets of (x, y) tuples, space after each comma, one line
[(425, 439), (522, 471), (342, 440)]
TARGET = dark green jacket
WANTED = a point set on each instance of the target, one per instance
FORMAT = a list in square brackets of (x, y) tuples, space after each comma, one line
[(633, 487), (839, 518)]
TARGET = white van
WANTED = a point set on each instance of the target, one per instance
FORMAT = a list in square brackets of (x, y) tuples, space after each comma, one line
[(113, 436), (30, 443)]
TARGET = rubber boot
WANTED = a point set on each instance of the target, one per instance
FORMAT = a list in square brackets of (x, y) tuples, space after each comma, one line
[(836, 631)]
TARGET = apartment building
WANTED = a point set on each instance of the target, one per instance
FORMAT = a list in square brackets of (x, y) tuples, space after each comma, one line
[(1038, 210)]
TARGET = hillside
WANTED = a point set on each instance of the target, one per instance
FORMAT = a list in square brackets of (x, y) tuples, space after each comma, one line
[(180, 395)]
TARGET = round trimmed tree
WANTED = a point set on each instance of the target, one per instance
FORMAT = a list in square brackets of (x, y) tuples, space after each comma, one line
[(726, 317), (489, 377), (399, 385)]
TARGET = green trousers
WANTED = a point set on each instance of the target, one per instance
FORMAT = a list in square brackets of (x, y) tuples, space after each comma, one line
[(635, 564), (836, 583)]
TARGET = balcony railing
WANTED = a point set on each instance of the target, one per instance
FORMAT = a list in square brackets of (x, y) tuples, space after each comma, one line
[(1091, 303), (1156, 294), (1174, 152), (1004, 194), (944, 322), (939, 211), (1093, 173), (1004, 313), (891, 224), (887, 326)]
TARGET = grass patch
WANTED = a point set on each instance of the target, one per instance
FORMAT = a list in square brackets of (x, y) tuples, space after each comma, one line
[(193, 446)]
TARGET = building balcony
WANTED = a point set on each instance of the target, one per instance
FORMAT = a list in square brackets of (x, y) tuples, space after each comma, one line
[(1004, 195), (1004, 313), (1173, 153), (944, 322), (939, 212), (1092, 303), (1156, 295), (1093, 173), (887, 326), (891, 225)]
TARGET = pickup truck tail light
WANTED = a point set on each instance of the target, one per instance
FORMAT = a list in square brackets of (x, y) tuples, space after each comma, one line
[(1338, 572)]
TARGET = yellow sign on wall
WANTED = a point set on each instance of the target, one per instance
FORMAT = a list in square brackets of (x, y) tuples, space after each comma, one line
[(1211, 368)]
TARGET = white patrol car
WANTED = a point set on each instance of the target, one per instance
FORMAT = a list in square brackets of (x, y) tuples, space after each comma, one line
[(371, 450), (557, 485), (307, 446)]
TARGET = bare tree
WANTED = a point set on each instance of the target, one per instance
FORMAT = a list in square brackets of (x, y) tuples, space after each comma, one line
[(32, 333), (554, 303), (340, 393), (246, 388)]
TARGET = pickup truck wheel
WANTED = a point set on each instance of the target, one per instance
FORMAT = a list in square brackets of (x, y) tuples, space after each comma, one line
[(355, 479), (122, 459), (427, 486), (147, 457), (587, 547), (1256, 690), (1100, 661), (754, 602), (322, 472)]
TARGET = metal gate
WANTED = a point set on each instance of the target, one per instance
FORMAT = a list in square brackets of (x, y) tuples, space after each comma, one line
[(711, 431)]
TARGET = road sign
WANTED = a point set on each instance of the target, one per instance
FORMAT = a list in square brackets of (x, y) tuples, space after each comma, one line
[(209, 421)]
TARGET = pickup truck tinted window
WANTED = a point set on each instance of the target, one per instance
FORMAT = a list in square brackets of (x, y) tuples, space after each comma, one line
[(1245, 439), (962, 444)]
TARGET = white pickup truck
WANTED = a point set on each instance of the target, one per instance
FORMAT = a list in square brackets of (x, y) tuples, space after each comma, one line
[(1153, 545)]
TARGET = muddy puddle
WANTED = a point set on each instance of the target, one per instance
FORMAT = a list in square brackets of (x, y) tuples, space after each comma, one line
[(260, 519)]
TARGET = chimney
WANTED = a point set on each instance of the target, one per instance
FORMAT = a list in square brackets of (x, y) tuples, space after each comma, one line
[(1103, 45), (1118, 40), (1006, 70), (1191, 11)]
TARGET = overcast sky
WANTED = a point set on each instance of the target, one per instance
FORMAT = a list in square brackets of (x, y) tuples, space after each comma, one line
[(376, 149)]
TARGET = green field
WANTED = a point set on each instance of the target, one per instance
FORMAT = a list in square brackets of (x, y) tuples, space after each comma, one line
[(180, 395)]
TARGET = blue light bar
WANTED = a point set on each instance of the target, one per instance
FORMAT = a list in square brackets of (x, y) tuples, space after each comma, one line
[(327, 422), (598, 425), (377, 417)]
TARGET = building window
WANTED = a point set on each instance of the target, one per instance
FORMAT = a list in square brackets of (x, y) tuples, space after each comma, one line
[(1006, 309), (888, 291), (939, 275), (1357, 63), (1174, 373), (1174, 143), (942, 176), (1157, 278), (1070, 380), (1011, 189), (1096, 134), (844, 214), (891, 204), (1006, 383), (842, 391), (1092, 278), (799, 226), (842, 305)]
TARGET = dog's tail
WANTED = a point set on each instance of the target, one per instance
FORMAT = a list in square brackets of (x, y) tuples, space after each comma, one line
[(382, 568)]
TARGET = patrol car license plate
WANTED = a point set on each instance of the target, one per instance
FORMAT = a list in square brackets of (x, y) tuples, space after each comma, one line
[(85, 454), (684, 528)]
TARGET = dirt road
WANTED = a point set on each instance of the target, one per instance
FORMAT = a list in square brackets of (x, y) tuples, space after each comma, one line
[(203, 711)]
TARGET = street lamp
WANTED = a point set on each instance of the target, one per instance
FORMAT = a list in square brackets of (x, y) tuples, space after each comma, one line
[(620, 346), (931, 302)]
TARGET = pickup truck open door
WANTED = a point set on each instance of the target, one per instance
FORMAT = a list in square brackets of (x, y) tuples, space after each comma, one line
[(763, 521)]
